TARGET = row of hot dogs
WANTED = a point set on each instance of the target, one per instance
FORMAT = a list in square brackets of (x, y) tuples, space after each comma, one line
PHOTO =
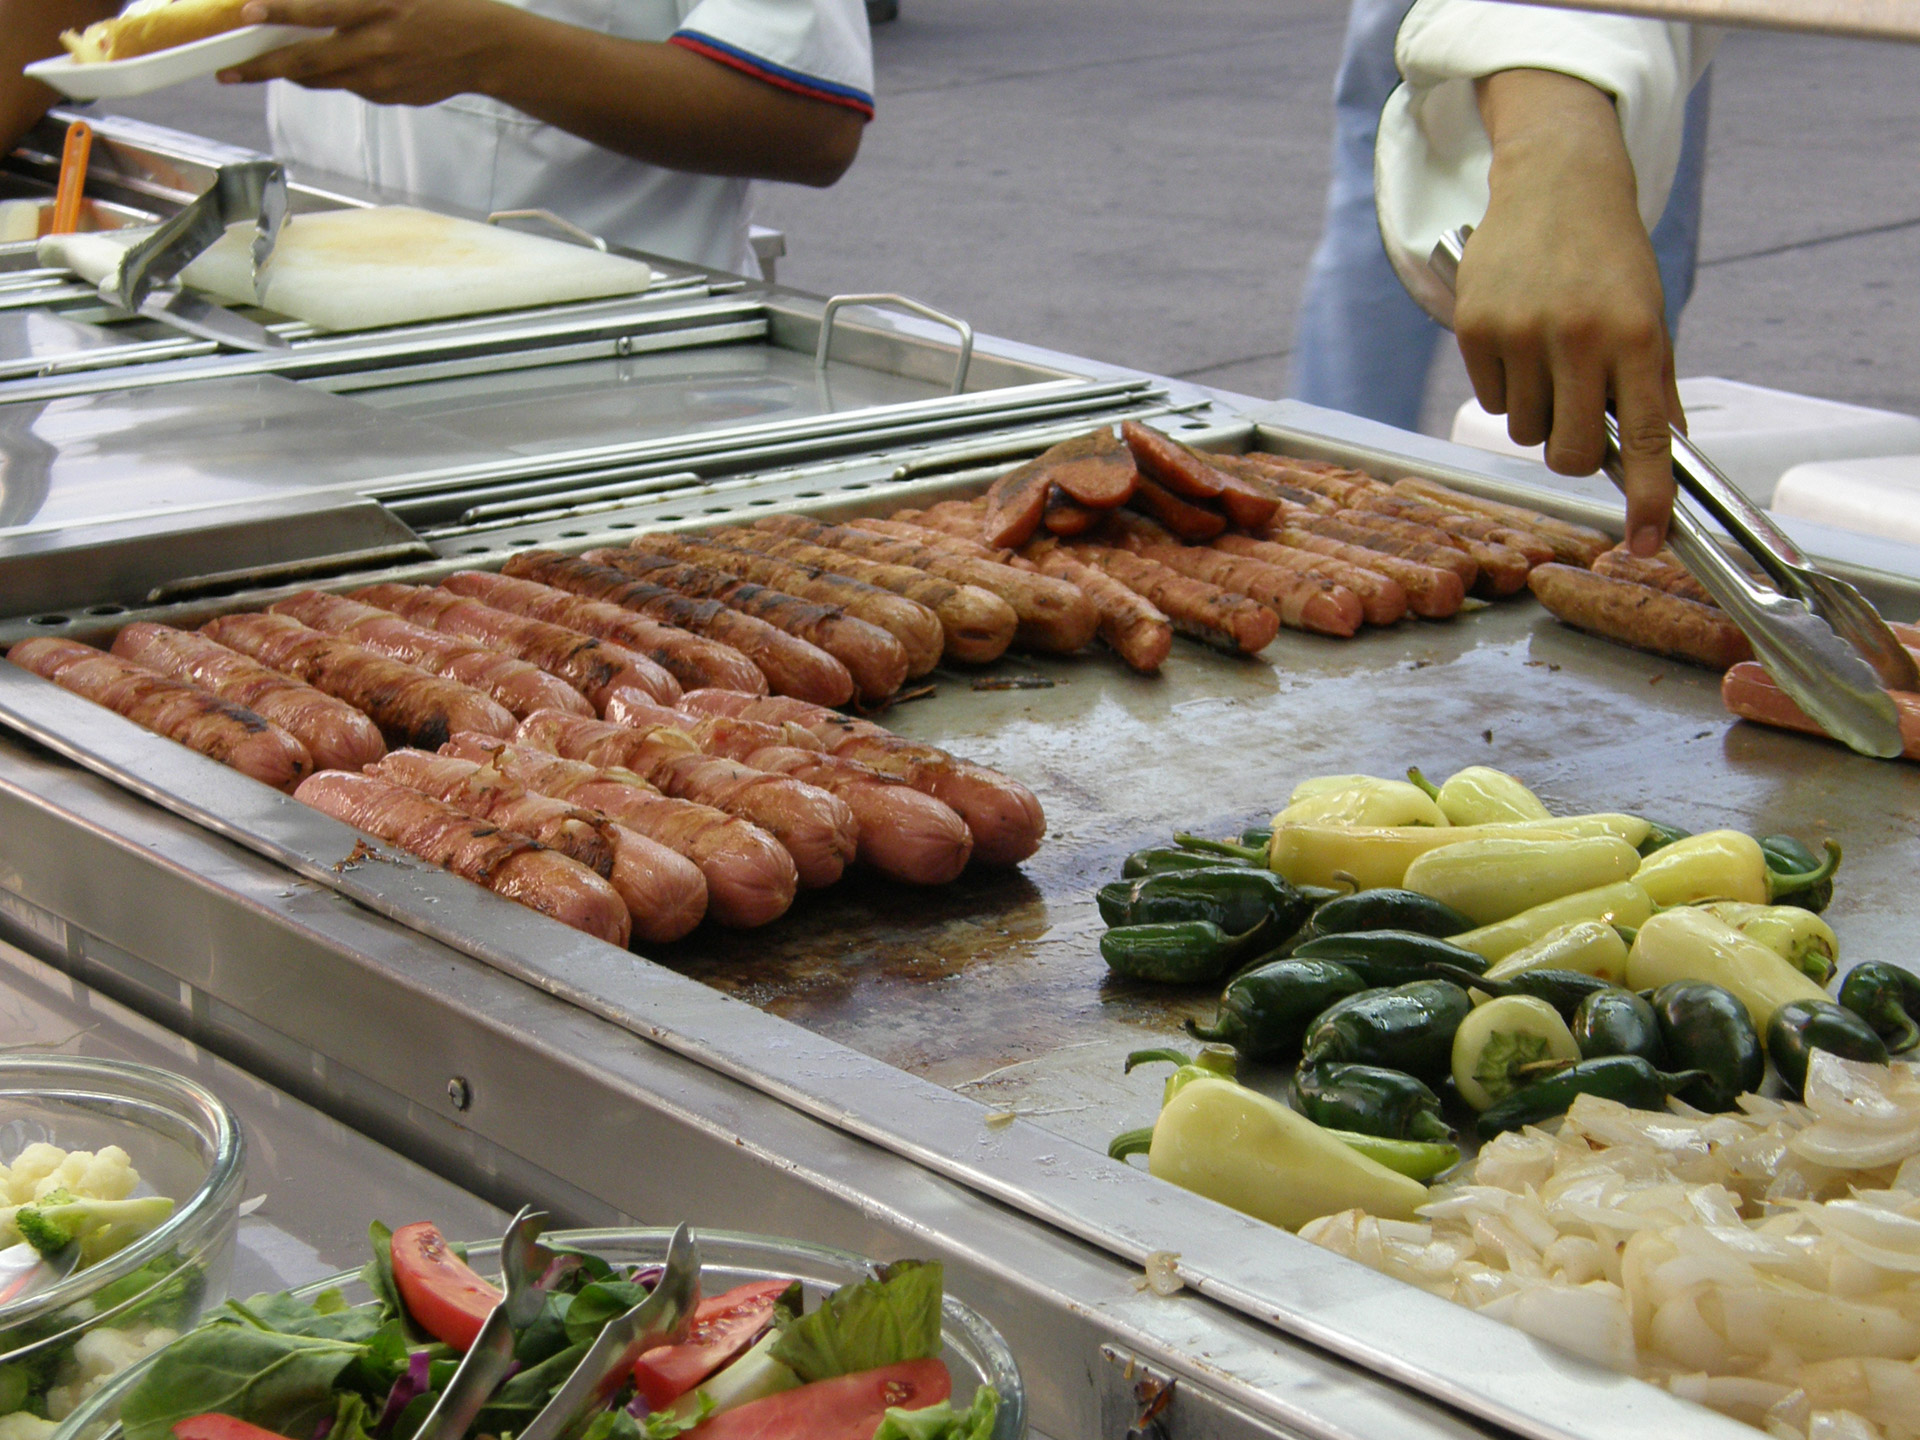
[(700, 792)]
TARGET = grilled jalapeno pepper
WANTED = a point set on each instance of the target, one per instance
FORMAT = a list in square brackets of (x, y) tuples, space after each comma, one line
[(1790, 858), (1626, 1078), (1625, 905), (1687, 943), (1158, 858), (1505, 1045), (1727, 865), (1409, 1027), (1236, 898), (1797, 936), (1659, 836), (1369, 1100), (1618, 1022), (1478, 795), (1266, 1011), (1390, 909), (1394, 957), (1562, 989), (1801, 1027), (1708, 1030), (1887, 997), (1181, 952), (1591, 947)]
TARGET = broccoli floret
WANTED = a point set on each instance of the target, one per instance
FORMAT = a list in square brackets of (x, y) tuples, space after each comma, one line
[(101, 1226), (41, 1230)]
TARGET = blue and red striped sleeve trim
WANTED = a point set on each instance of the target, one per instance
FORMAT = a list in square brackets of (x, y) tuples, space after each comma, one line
[(747, 63)]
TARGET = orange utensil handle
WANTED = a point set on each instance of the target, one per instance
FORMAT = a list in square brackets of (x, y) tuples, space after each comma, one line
[(73, 178)]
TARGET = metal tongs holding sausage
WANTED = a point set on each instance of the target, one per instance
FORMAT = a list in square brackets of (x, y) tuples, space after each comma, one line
[(1818, 636), (249, 190)]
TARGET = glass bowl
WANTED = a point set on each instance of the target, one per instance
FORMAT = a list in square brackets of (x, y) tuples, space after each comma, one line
[(185, 1144), (974, 1353)]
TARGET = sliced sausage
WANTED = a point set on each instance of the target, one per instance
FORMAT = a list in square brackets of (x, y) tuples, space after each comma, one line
[(182, 712), (509, 864), (1189, 472), (1185, 519), (1382, 600), (336, 735), (664, 892), (817, 828), (1065, 515), (596, 668), (1097, 470), (410, 706), (520, 687), (1640, 616), (750, 876)]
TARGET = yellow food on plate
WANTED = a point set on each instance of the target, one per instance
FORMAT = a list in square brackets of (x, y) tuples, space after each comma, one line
[(147, 27)]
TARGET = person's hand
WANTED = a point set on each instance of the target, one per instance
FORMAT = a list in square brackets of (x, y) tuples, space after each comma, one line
[(392, 52), (1559, 307)]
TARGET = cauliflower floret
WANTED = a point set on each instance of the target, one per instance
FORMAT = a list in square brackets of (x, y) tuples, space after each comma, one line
[(96, 1358), (42, 1170), (106, 1175), (29, 1167), (22, 1426)]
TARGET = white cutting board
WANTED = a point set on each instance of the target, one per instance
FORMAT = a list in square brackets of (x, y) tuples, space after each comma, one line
[(359, 269)]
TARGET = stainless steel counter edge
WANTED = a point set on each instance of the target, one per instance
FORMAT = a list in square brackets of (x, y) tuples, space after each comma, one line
[(1479, 1365), (214, 942)]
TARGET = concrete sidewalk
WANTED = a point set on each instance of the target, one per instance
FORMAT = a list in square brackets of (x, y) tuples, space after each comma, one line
[(1144, 184)]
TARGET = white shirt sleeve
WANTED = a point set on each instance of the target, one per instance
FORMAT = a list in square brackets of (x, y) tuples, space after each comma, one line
[(818, 48), (1430, 168)]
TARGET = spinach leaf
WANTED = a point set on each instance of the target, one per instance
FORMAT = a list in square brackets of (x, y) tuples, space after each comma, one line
[(547, 1335), (280, 1311), (862, 1327), (381, 1362), (378, 1275), (520, 1398), (350, 1419), (598, 1303), (281, 1382), (942, 1421)]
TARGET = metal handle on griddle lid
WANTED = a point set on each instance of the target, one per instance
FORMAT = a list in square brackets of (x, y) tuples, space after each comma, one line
[(1810, 662), (898, 302)]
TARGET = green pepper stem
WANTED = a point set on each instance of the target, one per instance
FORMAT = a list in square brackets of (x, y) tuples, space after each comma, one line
[(1151, 1057), (1130, 1142), (1219, 1060), (1429, 1127), (1220, 847), (1217, 1031), (1628, 933), (1413, 774), (1794, 881)]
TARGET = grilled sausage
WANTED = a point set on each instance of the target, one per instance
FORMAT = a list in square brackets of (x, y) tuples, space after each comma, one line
[(598, 669), (750, 876), (1188, 472), (509, 864), (1003, 815), (1665, 574), (1463, 528), (1573, 544), (1501, 570), (1016, 502), (1050, 614), (1374, 532), (410, 706), (817, 829), (1065, 515), (520, 687), (904, 834), (1640, 616), (336, 735), (978, 625), (182, 712), (1095, 470), (1185, 519), (1303, 602), (1382, 601), (1132, 625), (1752, 694), (875, 660), (915, 626), (1197, 608), (693, 657), (664, 892), (1432, 593)]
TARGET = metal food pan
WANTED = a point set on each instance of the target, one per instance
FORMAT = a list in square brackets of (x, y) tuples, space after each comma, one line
[(990, 996)]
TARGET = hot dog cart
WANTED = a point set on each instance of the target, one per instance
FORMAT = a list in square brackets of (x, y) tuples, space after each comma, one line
[(894, 1071)]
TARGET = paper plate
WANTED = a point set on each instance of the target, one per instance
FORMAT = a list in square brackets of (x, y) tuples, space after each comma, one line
[(116, 79)]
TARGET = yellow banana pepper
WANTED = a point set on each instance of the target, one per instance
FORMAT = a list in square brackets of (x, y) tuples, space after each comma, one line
[(1689, 944), (1372, 802), (1495, 879), (1624, 904), (1478, 795), (1588, 947)]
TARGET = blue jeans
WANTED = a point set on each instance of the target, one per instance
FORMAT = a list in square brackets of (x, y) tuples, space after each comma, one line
[(1361, 344)]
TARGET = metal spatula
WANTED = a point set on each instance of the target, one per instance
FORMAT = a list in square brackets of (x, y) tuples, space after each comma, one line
[(1824, 676)]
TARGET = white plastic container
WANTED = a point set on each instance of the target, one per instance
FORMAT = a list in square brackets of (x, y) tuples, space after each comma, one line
[(1755, 435), (1875, 496)]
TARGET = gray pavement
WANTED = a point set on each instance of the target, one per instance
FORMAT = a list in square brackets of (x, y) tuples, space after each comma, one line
[(1143, 184)]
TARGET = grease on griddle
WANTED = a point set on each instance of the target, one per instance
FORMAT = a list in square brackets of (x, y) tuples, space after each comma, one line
[(1014, 682)]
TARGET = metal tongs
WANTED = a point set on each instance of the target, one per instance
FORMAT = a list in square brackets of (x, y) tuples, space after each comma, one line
[(489, 1360), (251, 190), (1792, 629)]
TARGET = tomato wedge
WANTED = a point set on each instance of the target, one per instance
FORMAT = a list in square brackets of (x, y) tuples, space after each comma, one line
[(220, 1427), (723, 1329), (847, 1408), (439, 1289)]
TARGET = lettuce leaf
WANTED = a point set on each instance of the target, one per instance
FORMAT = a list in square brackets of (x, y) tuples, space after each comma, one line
[(862, 1327), (942, 1421)]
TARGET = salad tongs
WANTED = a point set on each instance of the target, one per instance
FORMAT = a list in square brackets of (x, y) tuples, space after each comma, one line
[(660, 1319), (489, 1360), (1793, 633)]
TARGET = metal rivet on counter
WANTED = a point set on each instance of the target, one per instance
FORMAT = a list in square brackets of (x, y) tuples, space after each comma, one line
[(459, 1092)]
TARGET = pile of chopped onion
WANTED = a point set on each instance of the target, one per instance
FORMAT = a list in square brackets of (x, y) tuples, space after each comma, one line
[(1765, 1263)]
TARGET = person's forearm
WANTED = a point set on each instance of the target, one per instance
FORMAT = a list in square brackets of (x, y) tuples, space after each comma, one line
[(668, 106), (30, 31)]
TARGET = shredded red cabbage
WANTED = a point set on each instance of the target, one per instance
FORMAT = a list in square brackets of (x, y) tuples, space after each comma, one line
[(413, 1383)]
